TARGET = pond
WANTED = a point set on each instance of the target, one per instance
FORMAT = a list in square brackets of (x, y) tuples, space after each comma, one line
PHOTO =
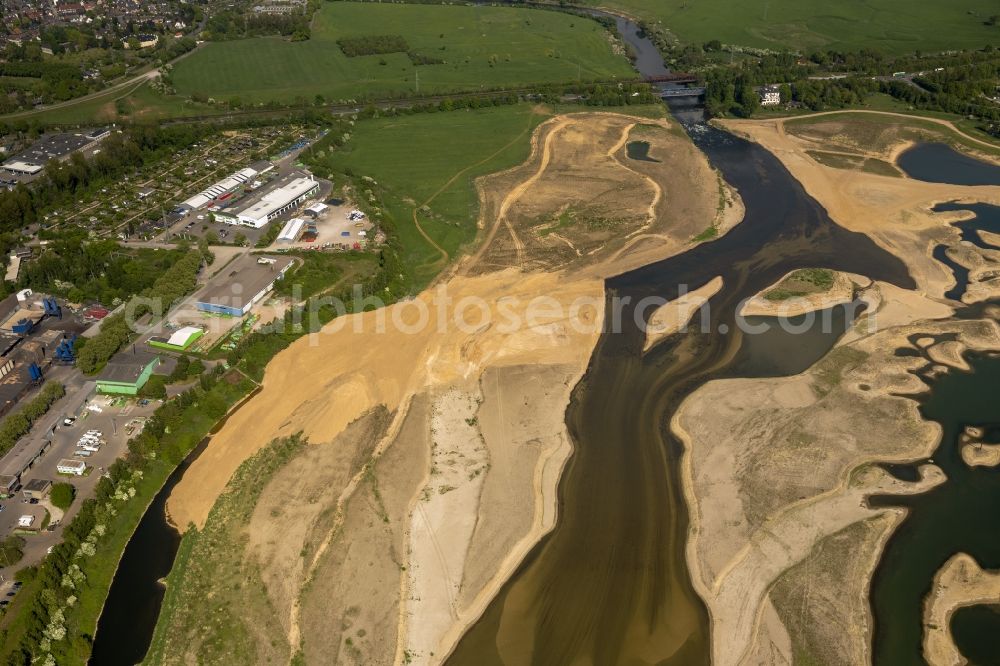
[(639, 150), (962, 515), (940, 163)]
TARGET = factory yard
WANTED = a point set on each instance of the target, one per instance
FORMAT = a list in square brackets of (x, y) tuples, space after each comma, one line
[(118, 420)]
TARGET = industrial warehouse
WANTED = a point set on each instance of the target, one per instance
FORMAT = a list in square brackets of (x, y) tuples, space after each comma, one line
[(226, 188), (246, 282), (277, 197), (26, 165), (127, 372)]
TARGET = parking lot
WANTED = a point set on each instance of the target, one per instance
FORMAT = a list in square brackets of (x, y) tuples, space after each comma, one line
[(118, 419)]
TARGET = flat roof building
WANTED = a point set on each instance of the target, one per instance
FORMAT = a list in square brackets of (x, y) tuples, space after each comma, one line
[(247, 281), (279, 196), (66, 466), (127, 372), (223, 187), (52, 147), (292, 230), (37, 489)]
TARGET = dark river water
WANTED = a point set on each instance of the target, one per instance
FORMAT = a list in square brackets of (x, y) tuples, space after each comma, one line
[(960, 515), (940, 163), (610, 584), (127, 622)]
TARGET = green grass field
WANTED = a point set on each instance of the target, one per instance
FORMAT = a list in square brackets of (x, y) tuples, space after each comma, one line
[(484, 47), (433, 159), (892, 26)]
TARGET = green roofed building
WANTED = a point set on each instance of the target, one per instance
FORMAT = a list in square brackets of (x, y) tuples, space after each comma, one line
[(127, 372), (179, 340)]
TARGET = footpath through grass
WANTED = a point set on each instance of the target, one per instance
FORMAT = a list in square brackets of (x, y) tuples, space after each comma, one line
[(479, 48), (890, 26), (428, 162)]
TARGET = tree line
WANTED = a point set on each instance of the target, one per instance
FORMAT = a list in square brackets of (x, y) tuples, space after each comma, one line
[(175, 283), (52, 626), (18, 424)]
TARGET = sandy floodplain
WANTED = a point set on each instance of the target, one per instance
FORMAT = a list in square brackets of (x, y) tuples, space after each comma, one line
[(389, 549), (895, 212), (777, 471)]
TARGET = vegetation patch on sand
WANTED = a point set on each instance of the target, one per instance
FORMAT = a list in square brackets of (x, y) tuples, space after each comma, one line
[(425, 166), (479, 48), (878, 135), (855, 163), (802, 282)]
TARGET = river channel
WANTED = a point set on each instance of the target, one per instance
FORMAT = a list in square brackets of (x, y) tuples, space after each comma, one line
[(610, 583)]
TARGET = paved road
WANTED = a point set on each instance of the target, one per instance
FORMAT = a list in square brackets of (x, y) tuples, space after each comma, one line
[(112, 422)]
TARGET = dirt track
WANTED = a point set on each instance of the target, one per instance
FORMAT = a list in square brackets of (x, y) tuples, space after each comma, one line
[(477, 410)]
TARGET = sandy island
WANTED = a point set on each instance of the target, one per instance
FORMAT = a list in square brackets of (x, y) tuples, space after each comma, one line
[(960, 582), (782, 542)]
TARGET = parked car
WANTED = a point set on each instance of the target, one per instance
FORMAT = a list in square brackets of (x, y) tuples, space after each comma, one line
[(69, 420)]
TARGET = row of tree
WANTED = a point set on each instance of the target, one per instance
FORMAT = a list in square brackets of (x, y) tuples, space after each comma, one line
[(17, 424), (51, 627), (178, 281)]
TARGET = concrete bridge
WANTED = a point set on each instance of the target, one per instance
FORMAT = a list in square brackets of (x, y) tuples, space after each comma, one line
[(671, 93)]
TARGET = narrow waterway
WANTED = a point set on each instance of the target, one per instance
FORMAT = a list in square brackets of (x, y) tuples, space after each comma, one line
[(610, 583), (130, 612)]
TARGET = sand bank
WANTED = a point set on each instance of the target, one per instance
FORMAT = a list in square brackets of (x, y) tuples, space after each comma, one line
[(960, 582), (476, 407)]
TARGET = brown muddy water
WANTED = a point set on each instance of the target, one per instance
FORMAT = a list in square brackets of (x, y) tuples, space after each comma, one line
[(609, 584)]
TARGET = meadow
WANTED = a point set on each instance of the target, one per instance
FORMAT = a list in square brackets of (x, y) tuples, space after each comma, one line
[(890, 26), (425, 166), (481, 48)]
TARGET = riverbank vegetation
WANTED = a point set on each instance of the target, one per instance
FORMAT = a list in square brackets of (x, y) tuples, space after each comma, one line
[(482, 48), (209, 578), (58, 608), (17, 424)]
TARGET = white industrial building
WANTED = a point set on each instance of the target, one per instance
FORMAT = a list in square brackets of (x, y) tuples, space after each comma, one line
[(66, 466), (292, 230), (22, 168), (271, 203), (221, 188)]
